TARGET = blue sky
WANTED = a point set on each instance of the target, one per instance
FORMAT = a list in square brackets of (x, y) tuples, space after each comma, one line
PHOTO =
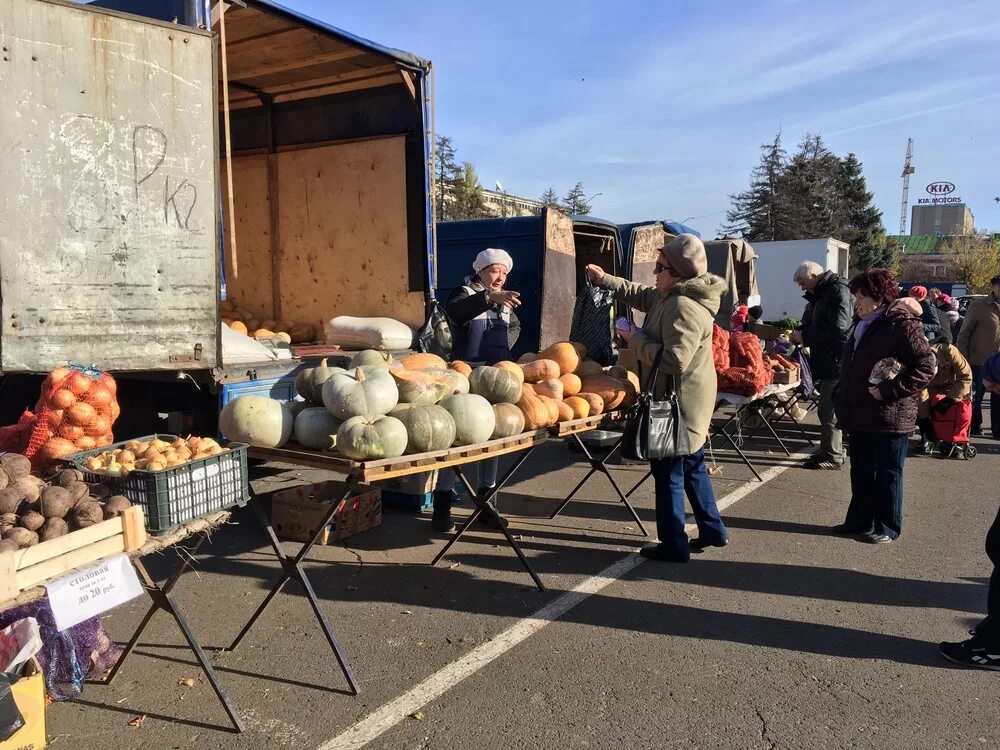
[(661, 106)]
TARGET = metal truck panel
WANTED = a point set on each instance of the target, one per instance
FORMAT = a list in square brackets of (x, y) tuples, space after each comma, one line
[(108, 219)]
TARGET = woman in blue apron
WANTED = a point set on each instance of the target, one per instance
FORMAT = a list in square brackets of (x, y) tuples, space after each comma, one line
[(483, 328)]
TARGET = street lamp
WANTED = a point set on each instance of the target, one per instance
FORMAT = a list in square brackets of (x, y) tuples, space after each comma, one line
[(503, 199), (591, 200)]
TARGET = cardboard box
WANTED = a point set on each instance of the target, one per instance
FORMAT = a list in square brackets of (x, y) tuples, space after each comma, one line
[(297, 511), (786, 378), (29, 695), (415, 484), (764, 331)]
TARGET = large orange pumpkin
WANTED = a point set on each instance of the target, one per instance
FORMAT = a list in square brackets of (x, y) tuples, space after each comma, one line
[(565, 411), (571, 384), (581, 349), (536, 414), (595, 401), (552, 406), (579, 406), (608, 388), (539, 370), (553, 388), (511, 367), (589, 367), (563, 354), (423, 362), (622, 373)]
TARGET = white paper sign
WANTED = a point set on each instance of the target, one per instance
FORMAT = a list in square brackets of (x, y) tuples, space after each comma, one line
[(93, 590)]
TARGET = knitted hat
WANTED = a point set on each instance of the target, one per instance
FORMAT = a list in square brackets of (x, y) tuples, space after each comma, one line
[(492, 255), (918, 292), (686, 255)]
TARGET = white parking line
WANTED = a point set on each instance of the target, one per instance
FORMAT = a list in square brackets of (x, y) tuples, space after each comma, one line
[(386, 717)]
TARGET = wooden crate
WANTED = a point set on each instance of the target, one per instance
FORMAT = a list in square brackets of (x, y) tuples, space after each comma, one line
[(26, 568)]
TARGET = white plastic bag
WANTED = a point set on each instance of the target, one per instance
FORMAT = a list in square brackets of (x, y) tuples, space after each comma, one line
[(355, 334)]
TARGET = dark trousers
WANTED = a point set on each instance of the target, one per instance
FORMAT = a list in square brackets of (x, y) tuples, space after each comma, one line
[(877, 483), (977, 403), (675, 477), (988, 630)]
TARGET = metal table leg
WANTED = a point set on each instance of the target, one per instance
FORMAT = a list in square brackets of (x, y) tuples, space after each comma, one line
[(162, 599), (292, 570), (600, 465), (722, 430), (483, 506)]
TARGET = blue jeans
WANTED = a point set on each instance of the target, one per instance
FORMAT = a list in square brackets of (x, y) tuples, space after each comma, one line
[(877, 483), (977, 403), (675, 477)]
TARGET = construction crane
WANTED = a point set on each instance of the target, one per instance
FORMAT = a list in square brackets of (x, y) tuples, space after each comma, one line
[(908, 169)]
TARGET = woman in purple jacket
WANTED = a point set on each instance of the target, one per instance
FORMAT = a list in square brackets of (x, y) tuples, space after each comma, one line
[(877, 407)]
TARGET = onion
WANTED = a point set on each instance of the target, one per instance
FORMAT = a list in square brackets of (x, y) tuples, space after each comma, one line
[(82, 413), (62, 399), (79, 383)]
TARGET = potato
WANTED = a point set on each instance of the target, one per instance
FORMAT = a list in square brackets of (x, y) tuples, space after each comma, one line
[(54, 527), (87, 514), (68, 475), (4, 478), (32, 520), (11, 499), (99, 492), (22, 537), (8, 519), (8, 545), (15, 465), (115, 506), (55, 502), (31, 487)]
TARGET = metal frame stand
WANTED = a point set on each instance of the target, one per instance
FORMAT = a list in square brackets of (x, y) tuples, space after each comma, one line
[(292, 570), (482, 502), (600, 465), (162, 599), (786, 408), (714, 431)]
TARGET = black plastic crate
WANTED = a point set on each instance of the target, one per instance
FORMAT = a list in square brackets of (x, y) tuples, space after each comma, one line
[(173, 496)]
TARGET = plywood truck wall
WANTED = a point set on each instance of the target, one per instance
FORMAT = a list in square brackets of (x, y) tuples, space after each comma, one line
[(341, 229)]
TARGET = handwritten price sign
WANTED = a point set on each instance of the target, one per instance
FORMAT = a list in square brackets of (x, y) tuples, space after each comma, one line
[(93, 590)]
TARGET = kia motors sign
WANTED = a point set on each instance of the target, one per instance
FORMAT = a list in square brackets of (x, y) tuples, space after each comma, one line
[(941, 188), (942, 192)]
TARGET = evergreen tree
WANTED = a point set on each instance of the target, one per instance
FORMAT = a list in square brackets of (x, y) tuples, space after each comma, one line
[(468, 194), (550, 198), (446, 171), (883, 252), (761, 211), (811, 182), (860, 222), (575, 201)]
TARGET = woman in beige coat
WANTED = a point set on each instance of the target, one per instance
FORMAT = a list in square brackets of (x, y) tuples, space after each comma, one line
[(680, 310)]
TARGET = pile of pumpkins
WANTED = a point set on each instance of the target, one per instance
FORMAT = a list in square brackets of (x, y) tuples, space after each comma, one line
[(245, 322), (379, 407)]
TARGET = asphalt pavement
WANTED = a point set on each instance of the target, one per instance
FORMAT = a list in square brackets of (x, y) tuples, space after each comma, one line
[(788, 638)]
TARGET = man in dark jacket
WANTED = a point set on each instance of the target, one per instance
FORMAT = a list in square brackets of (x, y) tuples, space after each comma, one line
[(826, 323), (929, 318)]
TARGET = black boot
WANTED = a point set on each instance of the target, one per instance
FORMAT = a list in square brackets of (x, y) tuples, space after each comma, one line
[(486, 518), (441, 520)]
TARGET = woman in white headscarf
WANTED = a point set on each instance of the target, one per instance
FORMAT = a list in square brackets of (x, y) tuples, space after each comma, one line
[(483, 328)]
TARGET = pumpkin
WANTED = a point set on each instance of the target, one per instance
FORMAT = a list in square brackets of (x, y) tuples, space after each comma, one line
[(608, 388), (539, 370), (474, 418), (624, 374), (372, 357), (461, 367), (316, 429), (631, 394), (297, 407), (510, 421), (512, 367), (553, 388), (283, 336), (428, 428), (581, 349), (579, 406), (571, 384), (256, 420), (309, 382), (536, 414), (421, 387), (423, 362), (565, 411), (495, 384), (263, 333), (364, 438), (360, 394), (552, 407), (589, 367), (595, 401), (240, 327), (563, 354), (526, 358)]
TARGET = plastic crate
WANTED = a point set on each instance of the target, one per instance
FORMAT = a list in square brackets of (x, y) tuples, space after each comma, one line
[(173, 496)]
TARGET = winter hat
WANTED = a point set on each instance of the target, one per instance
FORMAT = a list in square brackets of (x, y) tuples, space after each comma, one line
[(686, 255), (991, 369), (909, 303), (492, 255), (918, 292)]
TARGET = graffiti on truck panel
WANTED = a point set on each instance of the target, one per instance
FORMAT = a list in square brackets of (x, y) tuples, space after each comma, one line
[(109, 192)]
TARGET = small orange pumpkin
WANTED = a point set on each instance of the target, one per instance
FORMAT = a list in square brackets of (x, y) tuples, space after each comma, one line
[(536, 414), (565, 411), (563, 354), (539, 370), (579, 406), (595, 401), (571, 384), (423, 362), (459, 366), (607, 387), (553, 388)]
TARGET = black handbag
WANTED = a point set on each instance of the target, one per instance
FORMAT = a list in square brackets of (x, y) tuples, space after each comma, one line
[(655, 429), (591, 324)]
